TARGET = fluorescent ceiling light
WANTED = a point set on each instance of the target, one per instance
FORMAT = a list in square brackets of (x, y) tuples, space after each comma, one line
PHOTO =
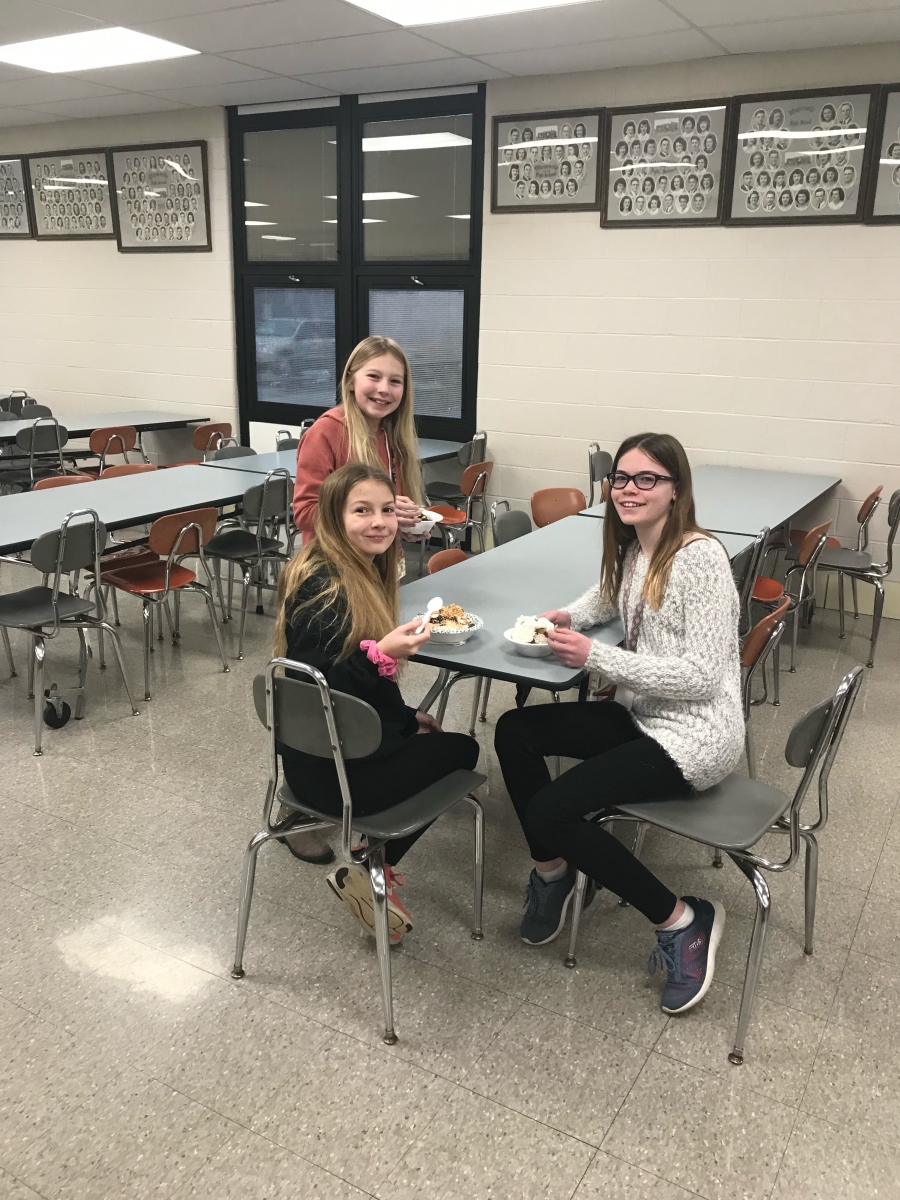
[(260, 222), (382, 196), (414, 12), (116, 47), (276, 237), (254, 204), (414, 141)]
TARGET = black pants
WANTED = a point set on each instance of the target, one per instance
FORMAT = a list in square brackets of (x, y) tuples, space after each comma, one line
[(619, 763), (380, 783)]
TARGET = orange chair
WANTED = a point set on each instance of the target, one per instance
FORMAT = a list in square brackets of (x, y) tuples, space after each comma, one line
[(552, 504), (60, 481), (454, 522), (112, 439), (206, 438), (799, 583), (172, 538), (445, 558), (120, 469)]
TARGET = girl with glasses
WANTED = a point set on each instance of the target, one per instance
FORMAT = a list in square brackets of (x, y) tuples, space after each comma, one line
[(675, 725)]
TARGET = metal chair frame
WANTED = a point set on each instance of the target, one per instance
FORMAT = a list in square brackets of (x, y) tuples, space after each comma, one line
[(804, 596), (745, 584), (451, 534), (369, 855), (832, 722), (25, 443)]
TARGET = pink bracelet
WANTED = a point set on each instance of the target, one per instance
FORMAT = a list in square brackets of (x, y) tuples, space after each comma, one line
[(386, 665)]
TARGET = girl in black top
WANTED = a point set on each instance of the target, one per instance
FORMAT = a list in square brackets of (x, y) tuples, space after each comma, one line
[(339, 605)]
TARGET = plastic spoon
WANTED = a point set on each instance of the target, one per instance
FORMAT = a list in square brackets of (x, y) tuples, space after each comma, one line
[(431, 607)]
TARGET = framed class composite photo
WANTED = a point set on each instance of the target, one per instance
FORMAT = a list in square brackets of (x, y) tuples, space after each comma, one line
[(70, 195), (546, 162), (15, 217), (801, 157), (883, 204), (161, 197), (664, 165)]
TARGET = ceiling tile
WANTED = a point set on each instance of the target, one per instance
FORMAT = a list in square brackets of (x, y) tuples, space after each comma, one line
[(449, 72), (136, 12), (175, 72), (275, 24), (10, 117), (597, 56), (121, 104), (22, 22), (708, 13), (807, 32), (343, 54), (50, 89), (556, 27), (256, 91)]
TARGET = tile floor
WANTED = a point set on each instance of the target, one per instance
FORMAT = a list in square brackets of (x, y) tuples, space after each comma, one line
[(134, 1066)]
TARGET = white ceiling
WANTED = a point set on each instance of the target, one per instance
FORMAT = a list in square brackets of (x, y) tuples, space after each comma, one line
[(257, 51)]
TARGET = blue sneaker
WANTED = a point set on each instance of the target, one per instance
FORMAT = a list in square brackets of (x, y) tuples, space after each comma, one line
[(546, 905), (689, 956)]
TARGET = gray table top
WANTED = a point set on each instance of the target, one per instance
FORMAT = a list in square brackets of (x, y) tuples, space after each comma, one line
[(434, 449), (119, 503), (84, 424), (543, 570), (429, 451), (739, 500)]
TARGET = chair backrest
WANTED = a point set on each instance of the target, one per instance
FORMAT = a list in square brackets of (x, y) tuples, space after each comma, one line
[(231, 452), (209, 436), (118, 469), (271, 498), (300, 714), (599, 466), (757, 641), (474, 479), (511, 525), (893, 521), (14, 402), (5, 415), (552, 504), (31, 411), (811, 543), (44, 436), (113, 439), (75, 545), (165, 531), (747, 566), (285, 440), (474, 451), (869, 505), (445, 558), (61, 481)]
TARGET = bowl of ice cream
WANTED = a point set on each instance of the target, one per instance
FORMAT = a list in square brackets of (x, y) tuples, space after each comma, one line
[(426, 522), (453, 626), (529, 636)]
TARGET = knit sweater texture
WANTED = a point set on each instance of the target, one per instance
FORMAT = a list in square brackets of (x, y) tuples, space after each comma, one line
[(685, 669)]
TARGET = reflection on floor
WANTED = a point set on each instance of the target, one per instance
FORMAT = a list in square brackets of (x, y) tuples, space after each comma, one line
[(134, 1066)]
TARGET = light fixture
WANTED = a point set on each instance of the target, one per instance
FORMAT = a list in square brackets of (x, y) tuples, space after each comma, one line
[(115, 47), (414, 141), (254, 204), (459, 216), (410, 12), (382, 196), (276, 237), (260, 222), (366, 221)]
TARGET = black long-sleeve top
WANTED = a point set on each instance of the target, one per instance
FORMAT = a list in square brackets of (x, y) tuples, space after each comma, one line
[(316, 636)]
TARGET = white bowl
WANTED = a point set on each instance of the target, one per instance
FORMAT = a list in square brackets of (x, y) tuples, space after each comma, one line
[(428, 522), (529, 649), (455, 637)]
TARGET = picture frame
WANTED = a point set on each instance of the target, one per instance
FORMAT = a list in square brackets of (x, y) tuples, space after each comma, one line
[(649, 148), (16, 218), (70, 195), (800, 157), (161, 192), (540, 162), (883, 199)]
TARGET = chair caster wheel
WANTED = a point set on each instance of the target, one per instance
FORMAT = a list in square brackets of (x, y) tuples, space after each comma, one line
[(736, 1060), (55, 717), (237, 972)]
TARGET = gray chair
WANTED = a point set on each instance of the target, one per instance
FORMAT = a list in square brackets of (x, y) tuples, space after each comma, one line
[(42, 443), (600, 464), (509, 524), (43, 612), (265, 505), (451, 493), (234, 451), (746, 569), (735, 814), (310, 718), (15, 402), (284, 439)]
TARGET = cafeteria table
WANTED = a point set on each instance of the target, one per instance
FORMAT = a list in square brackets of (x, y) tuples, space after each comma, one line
[(83, 424), (740, 500), (429, 451), (119, 503)]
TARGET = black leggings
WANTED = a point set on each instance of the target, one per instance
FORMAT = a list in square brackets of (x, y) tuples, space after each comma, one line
[(619, 763), (380, 783)]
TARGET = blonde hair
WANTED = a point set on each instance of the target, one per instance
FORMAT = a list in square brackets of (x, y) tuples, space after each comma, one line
[(371, 589), (682, 520), (399, 426)]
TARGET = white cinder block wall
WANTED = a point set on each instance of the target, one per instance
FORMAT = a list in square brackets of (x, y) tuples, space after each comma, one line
[(86, 329), (773, 348)]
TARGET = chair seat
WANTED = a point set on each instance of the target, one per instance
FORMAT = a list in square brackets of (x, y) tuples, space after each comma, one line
[(843, 559), (446, 491), (408, 816), (797, 536), (767, 590), (449, 516), (147, 579), (127, 557), (238, 545), (33, 608), (733, 815)]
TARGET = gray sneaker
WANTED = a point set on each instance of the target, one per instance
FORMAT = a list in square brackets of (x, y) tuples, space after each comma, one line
[(689, 956), (546, 905)]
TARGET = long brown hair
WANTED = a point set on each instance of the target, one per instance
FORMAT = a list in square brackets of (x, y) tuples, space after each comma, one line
[(371, 590), (399, 426), (682, 520)]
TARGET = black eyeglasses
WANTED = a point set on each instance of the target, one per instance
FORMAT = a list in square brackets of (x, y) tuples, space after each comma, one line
[(644, 481)]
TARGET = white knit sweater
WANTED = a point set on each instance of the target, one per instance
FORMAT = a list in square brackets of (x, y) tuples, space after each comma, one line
[(685, 670)]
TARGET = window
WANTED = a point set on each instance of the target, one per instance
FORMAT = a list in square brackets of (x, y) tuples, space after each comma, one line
[(351, 219)]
